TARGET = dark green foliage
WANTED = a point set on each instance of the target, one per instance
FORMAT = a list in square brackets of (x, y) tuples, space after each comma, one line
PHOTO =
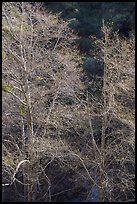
[(86, 18), (67, 100), (122, 14), (84, 44), (93, 66)]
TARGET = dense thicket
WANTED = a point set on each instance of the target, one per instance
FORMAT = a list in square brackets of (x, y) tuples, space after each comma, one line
[(68, 114)]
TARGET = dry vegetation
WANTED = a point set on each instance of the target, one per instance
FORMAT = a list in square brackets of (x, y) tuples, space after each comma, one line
[(57, 137)]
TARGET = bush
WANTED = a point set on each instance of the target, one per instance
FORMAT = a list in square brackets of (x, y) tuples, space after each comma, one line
[(93, 66)]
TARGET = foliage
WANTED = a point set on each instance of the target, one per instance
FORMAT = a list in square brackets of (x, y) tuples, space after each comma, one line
[(5, 87), (37, 78), (3, 55), (5, 26), (84, 44), (86, 17), (22, 109)]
